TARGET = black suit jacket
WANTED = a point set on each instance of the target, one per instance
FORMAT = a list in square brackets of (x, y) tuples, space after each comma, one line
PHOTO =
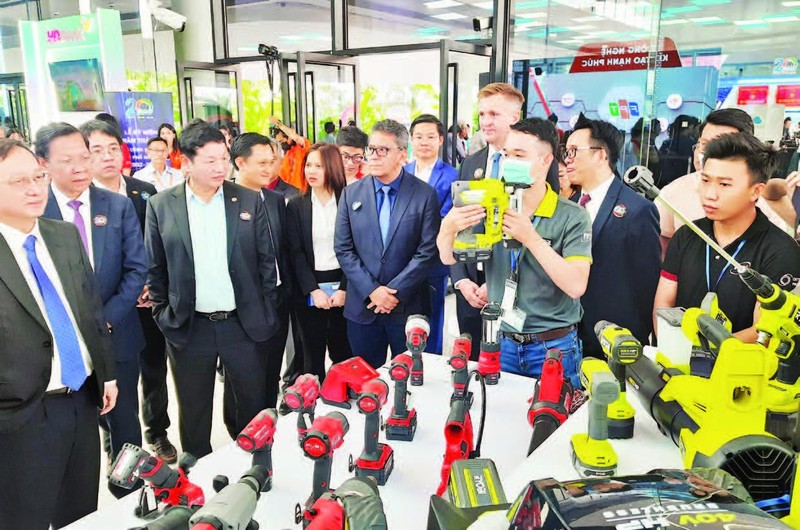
[(275, 204), (301, 247), (250, 258), (286, 190), (139, 192), (26, 345)]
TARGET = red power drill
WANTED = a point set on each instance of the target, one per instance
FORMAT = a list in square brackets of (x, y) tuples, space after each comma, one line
[(302, 397), (377, 459), (417, 330), (552, 398), (257, 438), (489, 359), (458, 437), (324, 437), (459, 356), (402, 422), (170, 486)]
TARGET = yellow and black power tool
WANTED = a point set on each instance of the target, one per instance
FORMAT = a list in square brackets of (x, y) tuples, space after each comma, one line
[(720, 421), (592, 453), (621, 349), (475, 243)]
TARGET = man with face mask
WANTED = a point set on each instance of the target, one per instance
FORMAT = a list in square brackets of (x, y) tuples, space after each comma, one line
[(540, 283), (294, 149)]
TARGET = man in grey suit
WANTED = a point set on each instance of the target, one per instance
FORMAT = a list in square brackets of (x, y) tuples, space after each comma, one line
[(56, 366), (212, 282)]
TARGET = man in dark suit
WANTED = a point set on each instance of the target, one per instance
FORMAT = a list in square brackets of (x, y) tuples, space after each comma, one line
[(212, 283), (106, 173), (427, 136), (251, 154), (625, 237), (385, 242), (113, 241), (56, 365)]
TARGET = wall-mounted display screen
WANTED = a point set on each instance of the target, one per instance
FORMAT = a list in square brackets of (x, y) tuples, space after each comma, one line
[(79, 85)]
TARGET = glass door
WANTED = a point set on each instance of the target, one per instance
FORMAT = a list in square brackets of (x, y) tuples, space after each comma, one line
[(317, 89), (13, 103), (210, 92)]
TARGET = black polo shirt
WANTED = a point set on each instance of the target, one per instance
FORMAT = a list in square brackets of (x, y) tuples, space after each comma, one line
[(766, 249)]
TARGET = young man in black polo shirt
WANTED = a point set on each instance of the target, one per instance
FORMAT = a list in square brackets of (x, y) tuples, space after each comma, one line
[(735, 170)]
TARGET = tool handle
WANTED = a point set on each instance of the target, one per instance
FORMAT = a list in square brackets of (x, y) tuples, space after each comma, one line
[(598, 420), (264, 458), (400, 398), (543, 426), (322, 478), (174, 518), (712, 329), (372, 426)]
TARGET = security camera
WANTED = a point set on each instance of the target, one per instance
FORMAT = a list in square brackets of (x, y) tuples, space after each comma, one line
[(482, 24), (269, 52), (174, 20)]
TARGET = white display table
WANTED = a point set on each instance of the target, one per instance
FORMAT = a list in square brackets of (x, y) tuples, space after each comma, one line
[(417, 464)]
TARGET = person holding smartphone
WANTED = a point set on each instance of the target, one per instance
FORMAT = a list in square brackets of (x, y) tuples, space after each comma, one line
[(320, 285)]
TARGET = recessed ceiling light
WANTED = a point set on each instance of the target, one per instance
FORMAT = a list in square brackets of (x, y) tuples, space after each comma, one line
[(533, 14), (583, 27), (673, 22), (449, 16), (601, 33), (707, 20), (529, 24), (781, 18), (592, 18), (791, 4), (484, 5), (441, 4), (754, 22)]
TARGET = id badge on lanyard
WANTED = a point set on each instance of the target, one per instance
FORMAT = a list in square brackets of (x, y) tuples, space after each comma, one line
[(512, 315)]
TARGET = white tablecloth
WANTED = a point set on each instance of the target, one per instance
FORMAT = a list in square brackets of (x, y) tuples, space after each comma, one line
[(417, 464)]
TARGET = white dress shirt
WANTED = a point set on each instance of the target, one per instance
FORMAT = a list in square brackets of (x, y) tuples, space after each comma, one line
[(16, 240), (597, 195), (169, 178), (123, 187), (423, 172), (488, 167), (68, 214), (208, 229), (323, 222)]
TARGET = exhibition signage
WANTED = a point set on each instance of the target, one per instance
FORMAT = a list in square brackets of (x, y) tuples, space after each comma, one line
[(634, 55), (139, 115), (753, 95), (788, 95)]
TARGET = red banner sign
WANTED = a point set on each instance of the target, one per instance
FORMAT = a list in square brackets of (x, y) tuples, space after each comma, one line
[(753, 95), (788, 95), (614, 56)]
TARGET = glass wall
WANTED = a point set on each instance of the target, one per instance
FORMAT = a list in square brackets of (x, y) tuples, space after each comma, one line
[(290, 25)]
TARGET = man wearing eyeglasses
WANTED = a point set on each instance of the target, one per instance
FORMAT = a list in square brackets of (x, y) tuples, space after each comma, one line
[(157, 172), (352, 141), (112, 237), (625, 247), (56, 365), (385, 241)]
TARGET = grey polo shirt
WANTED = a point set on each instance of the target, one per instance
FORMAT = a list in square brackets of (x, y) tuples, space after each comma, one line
[(568, 229)]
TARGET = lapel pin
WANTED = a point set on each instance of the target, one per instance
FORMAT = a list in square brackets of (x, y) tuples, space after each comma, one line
[(234, 199), (619, 210), (145, 195), (356, 206), (245, 215), (100, 220), (135, 192)]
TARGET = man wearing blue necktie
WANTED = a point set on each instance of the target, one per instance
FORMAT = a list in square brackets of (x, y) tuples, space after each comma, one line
[(385, 242), (56, 366)]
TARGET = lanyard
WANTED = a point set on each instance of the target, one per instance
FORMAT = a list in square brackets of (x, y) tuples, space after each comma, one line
[(516, 254), (722, 272)]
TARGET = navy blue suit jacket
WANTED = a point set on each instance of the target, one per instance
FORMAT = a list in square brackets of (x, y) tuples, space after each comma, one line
[(410, 250), (626, 265), (120, 265), (442, 177)]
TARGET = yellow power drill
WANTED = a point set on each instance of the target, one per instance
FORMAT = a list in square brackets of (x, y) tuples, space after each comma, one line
[(475, 243), (591, 452), (621, 349)]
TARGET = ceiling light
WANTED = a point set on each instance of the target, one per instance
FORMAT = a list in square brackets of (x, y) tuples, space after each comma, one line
[(707, 20), (484, 5), (601, 33), (592, 18), (529, 24), (754, 22), (584, 27), (791, 4), (533, 14), (674, 22), (781, 18), (449, 16), (441, 4)]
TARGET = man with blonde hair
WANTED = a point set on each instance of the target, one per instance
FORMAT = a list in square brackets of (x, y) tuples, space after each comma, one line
[(499, 107)]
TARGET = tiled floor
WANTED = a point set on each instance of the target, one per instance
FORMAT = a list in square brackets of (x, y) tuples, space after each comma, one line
[(219, 436)]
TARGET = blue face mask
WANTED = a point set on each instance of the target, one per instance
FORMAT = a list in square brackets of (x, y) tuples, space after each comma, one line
[(517, 171)]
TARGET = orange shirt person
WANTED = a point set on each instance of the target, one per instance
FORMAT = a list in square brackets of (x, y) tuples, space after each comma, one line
[(294, 148)]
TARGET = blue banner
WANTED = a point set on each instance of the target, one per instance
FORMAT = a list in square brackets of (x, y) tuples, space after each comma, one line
[(139, 115)]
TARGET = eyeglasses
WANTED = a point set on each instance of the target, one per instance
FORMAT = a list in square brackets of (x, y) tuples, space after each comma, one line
[(380, 150), (39, 179), (157, 151), (357, 159), (701, 146), (570, 152), (111, 150)]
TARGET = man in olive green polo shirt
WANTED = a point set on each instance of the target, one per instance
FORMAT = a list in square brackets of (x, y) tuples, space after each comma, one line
[(539, 286)]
